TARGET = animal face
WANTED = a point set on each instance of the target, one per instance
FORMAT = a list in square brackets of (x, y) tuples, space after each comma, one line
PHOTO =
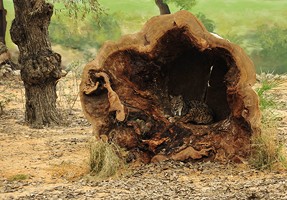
[(177, 105)]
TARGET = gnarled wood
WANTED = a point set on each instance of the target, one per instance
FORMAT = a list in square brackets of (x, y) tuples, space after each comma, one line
[(40, 66), (173, 55)]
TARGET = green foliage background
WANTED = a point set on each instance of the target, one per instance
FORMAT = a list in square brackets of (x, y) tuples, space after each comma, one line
[(85, 33), (259, 27), (271, 56)]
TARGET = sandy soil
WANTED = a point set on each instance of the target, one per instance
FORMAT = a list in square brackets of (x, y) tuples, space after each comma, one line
[(42, 154), (52, 161)]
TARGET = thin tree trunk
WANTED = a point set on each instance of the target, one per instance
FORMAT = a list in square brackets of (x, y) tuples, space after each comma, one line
[(40, 65), (163, 7)]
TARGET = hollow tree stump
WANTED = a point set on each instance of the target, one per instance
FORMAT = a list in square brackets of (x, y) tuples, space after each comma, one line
[(126, 92)]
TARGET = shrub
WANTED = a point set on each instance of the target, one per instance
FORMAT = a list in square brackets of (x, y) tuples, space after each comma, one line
[(183, 4), (208, 23), (270, 56), (85, 34)]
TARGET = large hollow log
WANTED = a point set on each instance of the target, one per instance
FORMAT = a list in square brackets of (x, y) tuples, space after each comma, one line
[(126, 93)]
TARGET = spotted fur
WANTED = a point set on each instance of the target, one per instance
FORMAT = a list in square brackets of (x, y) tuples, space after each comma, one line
[(192, 111)]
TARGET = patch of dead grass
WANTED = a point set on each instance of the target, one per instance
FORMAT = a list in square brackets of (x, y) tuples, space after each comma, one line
[(69, 171), (18, 177), (267, 151), (105, 159)]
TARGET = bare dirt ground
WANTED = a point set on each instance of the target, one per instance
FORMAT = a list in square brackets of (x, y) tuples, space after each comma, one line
[(53, 163)]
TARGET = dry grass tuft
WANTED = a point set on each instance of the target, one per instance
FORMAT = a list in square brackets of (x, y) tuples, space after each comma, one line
[(104, 159), (267, 151)]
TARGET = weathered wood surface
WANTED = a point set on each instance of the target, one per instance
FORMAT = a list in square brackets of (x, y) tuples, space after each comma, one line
[(40, 66), (125, 92)]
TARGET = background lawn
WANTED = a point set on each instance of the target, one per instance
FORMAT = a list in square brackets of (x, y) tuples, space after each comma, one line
[(258, 26)]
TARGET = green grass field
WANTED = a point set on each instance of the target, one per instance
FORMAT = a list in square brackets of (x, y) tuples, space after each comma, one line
[(237, 20), (241, 16), (8, 5), (229, 15)]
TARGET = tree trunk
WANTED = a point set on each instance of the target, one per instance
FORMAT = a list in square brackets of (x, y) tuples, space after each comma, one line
[(163, 7), (39, 101), (3, 22), (126, 93), (40, 65)]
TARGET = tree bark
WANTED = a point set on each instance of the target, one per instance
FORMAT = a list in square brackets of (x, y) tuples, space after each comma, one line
[(3, 22), (125, 92), (40, 65), (163, 7)]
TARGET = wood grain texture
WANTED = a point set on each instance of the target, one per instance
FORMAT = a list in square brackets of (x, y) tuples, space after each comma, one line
[(174, 55)]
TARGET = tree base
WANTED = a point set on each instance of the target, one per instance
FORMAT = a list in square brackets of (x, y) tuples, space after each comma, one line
[(41, 105)]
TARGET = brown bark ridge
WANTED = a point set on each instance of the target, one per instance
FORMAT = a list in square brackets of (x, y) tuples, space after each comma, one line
[(172, 55), (3, 22), (163, 7), (40, 65)]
